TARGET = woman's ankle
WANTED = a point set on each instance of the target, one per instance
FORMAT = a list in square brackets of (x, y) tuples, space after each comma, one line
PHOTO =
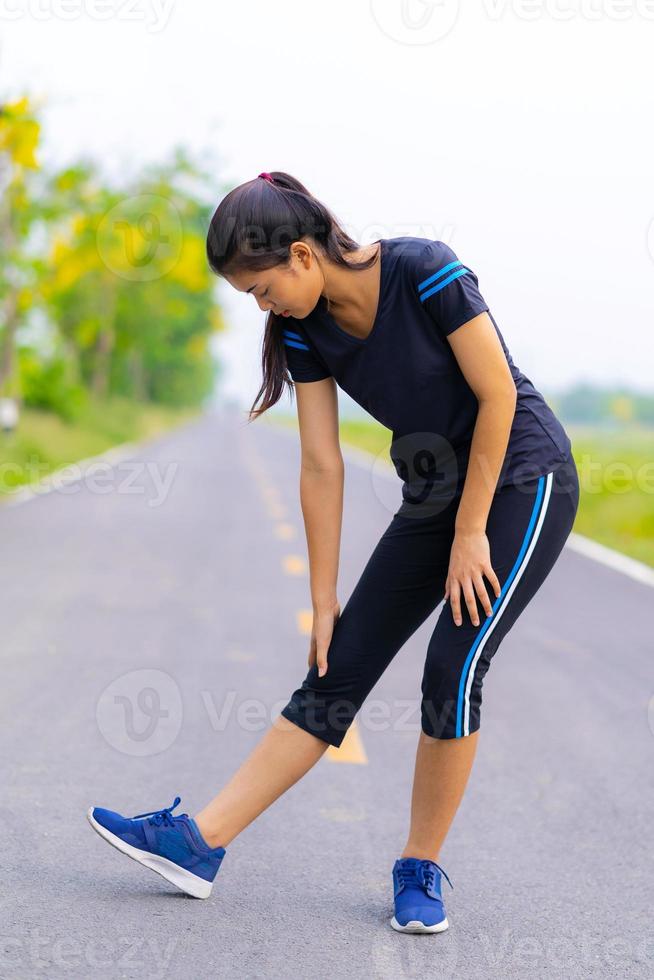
[(209, 836), (421, 853)]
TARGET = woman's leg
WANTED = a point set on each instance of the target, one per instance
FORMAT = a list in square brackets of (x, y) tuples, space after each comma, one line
[(281, 757), (527, 528), (441, 775), (403, 581)]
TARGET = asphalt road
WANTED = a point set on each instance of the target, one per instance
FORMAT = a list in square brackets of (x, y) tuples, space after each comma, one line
[(154, 622)]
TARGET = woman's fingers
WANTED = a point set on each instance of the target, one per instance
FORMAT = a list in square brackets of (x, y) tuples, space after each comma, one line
[(455, 601), (323, 631), (466, 585), (471, 602), (493, 579), (318, 655), (322, 660), (483, 595), (323, 638)]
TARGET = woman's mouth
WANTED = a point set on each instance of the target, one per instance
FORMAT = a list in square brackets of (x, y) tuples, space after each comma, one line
[(286, 312)]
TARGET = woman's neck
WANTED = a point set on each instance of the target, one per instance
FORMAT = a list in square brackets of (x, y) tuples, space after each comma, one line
[(352, 295)]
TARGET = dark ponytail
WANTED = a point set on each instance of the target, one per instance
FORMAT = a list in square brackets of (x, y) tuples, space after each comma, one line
[(253, 228)]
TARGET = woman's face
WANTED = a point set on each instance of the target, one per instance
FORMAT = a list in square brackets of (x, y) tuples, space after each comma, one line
[(288, 290)]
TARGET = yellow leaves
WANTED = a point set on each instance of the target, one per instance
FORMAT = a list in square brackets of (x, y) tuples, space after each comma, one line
[(17, 108), (71, 259), (79, 224), (19, 133), (18, 196), (67, 180), (216, 319), (140, 237), (191, 269), (197, 347), (24, 300), (71, 269), (177, 307)]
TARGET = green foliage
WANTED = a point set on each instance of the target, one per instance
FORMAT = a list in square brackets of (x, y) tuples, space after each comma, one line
[(592, 405), (47, 385), (616, 475), (43, 442), (616, 478), (118, 272)]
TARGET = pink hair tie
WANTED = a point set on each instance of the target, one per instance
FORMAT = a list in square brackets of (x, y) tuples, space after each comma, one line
[(266, 176)]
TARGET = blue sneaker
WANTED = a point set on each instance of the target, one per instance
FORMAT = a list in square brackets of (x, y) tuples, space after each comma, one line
[(417, 893), (171, 846)]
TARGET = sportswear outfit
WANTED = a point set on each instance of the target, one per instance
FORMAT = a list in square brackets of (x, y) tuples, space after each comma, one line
[(405, 374)]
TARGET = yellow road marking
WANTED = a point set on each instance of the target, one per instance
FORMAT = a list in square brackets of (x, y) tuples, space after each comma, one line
[(294, 564), (351, 749), (305, 621), (284, 531)]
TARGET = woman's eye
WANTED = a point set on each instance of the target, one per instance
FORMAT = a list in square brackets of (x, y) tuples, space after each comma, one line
[(264, 294)]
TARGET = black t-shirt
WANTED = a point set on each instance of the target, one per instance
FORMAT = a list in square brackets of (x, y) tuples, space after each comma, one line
[(406, 376)]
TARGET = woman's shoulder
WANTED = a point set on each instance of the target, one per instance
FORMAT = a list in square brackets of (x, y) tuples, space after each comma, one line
[(416, 252), (418, 258)]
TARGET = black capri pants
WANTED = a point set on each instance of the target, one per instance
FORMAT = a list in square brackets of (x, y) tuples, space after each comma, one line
[(403, 582)]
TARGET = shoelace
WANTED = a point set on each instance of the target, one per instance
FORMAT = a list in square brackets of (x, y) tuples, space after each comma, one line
[(161, 816), (423, 873)]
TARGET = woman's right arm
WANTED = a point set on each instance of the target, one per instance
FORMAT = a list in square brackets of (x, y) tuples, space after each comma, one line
[(321, 496)]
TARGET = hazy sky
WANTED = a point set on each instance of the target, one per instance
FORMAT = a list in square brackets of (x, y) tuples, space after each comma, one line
[(520, 133)]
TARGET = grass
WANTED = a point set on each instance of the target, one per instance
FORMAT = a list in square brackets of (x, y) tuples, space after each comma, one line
[(616, 478), (616, 466), (43, 442)]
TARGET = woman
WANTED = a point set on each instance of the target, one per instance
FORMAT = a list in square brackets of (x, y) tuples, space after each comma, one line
[(489, 496)]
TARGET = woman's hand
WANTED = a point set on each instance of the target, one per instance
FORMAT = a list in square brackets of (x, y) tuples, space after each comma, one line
[(324, 621), (469, 560)]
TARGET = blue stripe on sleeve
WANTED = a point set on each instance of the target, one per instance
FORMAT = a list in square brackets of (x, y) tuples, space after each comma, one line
[(441, 285), (294, 343), (437, 275)]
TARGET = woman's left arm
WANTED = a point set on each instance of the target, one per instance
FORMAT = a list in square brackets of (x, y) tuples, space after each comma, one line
[(480, 356)]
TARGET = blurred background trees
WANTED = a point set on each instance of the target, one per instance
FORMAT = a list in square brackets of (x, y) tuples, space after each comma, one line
[(104, 291)]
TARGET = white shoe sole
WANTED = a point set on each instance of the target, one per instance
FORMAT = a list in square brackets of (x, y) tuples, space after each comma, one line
[(414, 925), (185, 880)]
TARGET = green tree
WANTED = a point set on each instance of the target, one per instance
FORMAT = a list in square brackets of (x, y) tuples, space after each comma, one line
[(19, 136)]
